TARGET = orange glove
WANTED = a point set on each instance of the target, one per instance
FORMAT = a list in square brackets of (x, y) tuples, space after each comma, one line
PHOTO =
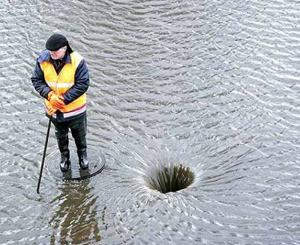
[(57, 102), (51, 110)]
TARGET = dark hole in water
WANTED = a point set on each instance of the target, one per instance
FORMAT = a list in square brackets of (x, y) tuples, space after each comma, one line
[(170, 179)]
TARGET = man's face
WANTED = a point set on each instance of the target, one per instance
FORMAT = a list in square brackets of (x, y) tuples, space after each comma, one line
[(58, 54)]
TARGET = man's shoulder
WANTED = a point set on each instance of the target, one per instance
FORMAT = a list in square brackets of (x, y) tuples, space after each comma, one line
[(44, 56), (76, 58), (76, 55)]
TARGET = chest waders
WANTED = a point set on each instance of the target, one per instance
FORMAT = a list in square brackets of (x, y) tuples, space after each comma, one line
[(78, 129)]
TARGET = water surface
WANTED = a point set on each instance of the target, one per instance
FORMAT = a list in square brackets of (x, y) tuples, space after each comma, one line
[(212, 85)]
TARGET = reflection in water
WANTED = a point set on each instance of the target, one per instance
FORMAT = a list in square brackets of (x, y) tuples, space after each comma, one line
[(75, 220)]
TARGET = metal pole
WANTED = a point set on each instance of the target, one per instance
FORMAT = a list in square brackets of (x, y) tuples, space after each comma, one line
[(44, 155)]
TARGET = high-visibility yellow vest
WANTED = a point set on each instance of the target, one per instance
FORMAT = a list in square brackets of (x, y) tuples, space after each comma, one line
[(62, 82)]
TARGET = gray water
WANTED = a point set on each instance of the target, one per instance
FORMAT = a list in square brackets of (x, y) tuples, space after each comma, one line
[(212, 85)]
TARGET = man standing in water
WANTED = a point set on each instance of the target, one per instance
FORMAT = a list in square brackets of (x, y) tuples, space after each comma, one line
[(61, 76)]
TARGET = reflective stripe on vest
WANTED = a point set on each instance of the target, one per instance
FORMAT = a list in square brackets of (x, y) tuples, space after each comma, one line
[(62, 82)]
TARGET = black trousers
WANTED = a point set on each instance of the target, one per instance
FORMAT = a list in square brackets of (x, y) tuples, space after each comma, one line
[(78, 127)]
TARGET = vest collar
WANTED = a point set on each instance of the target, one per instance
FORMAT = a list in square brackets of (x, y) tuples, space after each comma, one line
[(45, 56)]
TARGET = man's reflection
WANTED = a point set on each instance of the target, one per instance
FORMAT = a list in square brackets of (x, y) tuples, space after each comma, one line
[(75, 221)]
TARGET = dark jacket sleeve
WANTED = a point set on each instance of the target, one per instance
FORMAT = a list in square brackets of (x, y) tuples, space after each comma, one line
[(82, 82), (38, 81)]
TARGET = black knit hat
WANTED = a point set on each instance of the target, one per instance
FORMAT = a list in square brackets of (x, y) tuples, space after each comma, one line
[(57, 41)]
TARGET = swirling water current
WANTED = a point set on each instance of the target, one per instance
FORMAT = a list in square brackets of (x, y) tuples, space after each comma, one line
[(212, 85)]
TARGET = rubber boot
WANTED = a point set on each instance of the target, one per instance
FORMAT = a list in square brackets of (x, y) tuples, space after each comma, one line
[(83, 161), (80, 141), (63, 145)]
